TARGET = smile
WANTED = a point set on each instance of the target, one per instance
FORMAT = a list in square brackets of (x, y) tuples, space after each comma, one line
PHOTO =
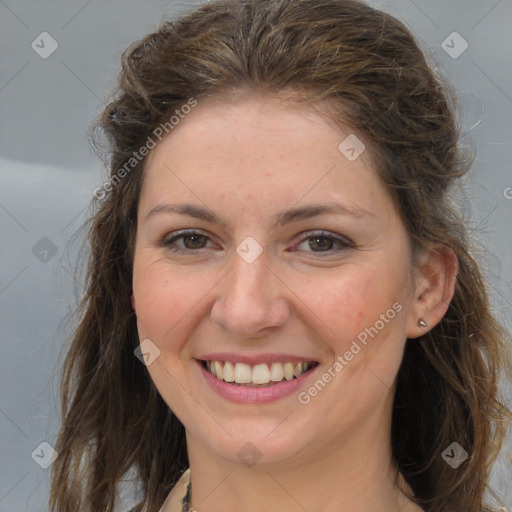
[(255, 383), (258, 374)]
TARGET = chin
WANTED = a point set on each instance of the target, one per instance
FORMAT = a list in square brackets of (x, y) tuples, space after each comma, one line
[(250, 444)]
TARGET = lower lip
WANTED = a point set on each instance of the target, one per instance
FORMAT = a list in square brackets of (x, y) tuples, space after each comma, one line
[(248, 395)]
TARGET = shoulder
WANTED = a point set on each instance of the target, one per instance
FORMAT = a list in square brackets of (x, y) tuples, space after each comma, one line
[(174, 498), (137, 508)]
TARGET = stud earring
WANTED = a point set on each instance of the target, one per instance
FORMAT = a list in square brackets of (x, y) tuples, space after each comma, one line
[(422, 323)]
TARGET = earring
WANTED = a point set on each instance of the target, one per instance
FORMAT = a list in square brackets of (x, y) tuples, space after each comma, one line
[(422, 323)]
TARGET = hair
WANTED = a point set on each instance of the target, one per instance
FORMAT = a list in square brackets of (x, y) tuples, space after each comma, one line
[(366, 71)]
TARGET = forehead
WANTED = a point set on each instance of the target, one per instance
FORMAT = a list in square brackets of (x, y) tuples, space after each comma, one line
[(248, 146)]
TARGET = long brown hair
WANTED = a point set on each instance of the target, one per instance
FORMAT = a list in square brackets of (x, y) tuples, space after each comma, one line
[(365, 70)]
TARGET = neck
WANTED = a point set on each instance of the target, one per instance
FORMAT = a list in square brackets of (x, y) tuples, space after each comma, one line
[(354, 474)]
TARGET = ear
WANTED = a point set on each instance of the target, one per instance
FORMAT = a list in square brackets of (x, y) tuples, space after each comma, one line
[(132, 300), (435, 286)]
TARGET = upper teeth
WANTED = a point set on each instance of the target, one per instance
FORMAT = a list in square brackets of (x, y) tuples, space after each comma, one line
[(242, 373)]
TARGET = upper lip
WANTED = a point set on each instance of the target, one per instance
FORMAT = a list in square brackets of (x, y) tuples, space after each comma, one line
[(253, 359)]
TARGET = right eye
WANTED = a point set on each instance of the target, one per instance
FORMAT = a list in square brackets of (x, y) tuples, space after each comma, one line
[(190, 241)]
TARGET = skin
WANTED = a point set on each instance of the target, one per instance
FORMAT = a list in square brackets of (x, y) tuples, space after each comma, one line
[(245, 158)]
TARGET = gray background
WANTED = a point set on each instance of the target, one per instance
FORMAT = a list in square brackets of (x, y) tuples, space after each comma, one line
[(48, 174)]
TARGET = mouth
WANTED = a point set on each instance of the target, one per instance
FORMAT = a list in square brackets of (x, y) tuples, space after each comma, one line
[(261, 375)]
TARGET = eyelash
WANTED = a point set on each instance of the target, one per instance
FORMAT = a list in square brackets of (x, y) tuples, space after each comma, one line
[(343, 243)]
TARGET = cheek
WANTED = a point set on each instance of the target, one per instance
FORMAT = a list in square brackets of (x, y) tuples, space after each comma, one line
[(165, 298), (358, 304), (342, 301)]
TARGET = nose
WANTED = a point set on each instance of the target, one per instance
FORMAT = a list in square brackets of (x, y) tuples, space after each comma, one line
[(251, 300)]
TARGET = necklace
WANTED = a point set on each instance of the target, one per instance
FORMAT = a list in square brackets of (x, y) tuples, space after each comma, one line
[(185, 501)]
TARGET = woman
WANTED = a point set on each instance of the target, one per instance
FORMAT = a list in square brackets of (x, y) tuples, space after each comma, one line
[(282, 312)]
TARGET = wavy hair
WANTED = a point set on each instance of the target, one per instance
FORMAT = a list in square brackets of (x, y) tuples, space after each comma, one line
[(364, 70)]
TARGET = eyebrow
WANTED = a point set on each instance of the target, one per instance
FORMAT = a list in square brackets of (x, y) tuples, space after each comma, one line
[(282, 218)]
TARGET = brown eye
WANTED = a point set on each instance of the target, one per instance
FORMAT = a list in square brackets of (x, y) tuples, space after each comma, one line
[(186, 242), (194, 241), (321, 243)]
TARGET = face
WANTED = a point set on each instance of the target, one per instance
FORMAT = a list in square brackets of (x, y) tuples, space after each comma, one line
[(291, 253)]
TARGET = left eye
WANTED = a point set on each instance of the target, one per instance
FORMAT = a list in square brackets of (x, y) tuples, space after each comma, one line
[(321, 242)]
